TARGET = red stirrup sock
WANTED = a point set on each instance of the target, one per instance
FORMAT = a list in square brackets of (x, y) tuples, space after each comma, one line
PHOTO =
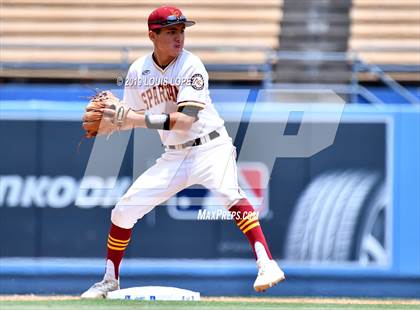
[(118, 240), (247, 220)]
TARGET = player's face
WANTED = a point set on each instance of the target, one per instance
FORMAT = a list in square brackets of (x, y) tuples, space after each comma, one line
[(170, 40)]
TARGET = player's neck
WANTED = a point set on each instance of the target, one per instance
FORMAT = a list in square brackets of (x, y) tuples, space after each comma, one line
[(162, 60)]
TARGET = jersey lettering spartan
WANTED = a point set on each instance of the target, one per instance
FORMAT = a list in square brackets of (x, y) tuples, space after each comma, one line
[(184, 82)]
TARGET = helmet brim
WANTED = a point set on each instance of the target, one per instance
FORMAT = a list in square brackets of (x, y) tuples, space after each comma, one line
[(187, 23)]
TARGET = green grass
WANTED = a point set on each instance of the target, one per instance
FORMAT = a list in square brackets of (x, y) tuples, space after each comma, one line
[(193, 305)]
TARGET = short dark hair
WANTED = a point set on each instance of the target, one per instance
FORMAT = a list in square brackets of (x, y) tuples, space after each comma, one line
[(157, 31)]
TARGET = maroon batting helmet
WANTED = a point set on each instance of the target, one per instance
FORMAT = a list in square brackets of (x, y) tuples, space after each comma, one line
[(167, 16)]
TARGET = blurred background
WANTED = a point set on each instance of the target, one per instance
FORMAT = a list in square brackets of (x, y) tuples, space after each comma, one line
[(344, 221)]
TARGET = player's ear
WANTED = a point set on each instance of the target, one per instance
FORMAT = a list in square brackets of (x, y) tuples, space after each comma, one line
[(152, 35)]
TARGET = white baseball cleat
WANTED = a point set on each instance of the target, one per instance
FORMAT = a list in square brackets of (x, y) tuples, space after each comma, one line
[(101, 289), (269, 274)]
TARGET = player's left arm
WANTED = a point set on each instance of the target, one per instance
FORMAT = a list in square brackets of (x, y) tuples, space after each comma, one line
[(192, 98), (183, 119), (186, 115)]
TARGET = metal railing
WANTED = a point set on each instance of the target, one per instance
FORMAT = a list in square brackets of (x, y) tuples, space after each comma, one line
[(353, 89), (124, 51)]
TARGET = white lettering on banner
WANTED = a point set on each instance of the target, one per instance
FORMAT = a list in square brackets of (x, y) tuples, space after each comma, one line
[(119, 188), (34, 191), (89, 192), (94, 191), (60, 191), (10, 190)]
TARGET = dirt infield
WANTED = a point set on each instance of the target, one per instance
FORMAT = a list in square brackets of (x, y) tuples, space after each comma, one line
[(303, 300)]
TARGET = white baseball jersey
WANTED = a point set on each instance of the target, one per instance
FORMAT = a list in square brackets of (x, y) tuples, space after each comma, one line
[(183, 82), (155, 90)]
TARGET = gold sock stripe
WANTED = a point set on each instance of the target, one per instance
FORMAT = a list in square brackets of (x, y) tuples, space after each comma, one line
[(248, 221), (116, 248), (250, 217), (117, 243), (244, 224), (247, 224), (118, 240), (251, 226), (242, 221)]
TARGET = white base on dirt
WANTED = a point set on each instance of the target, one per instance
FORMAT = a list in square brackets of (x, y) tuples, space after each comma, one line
[(154, 293)]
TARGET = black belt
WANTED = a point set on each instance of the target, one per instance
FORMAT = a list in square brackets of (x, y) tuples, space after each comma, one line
[(199, 141)]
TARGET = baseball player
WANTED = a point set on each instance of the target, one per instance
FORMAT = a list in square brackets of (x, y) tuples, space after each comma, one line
[(167, 90)]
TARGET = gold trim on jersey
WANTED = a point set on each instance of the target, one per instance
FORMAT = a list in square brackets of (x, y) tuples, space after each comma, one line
[(166, 68), (192, 103)]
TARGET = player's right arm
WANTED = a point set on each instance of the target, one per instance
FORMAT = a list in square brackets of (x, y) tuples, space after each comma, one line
[(182, 119), (171, 121)]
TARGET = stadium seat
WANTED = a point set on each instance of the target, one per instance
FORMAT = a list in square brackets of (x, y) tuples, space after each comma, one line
[(387, 32), (37, 32)]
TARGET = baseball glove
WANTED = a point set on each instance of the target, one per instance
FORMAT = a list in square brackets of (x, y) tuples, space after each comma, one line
[(104, 115)]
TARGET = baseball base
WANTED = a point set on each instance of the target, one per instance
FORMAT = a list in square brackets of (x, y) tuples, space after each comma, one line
[(154, 293)]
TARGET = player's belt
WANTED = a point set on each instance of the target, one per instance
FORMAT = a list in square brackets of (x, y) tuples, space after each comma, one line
[(199, 141)]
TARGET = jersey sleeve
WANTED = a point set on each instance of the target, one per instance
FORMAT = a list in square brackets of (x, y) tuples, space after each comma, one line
[(131, 92), (194, 91)]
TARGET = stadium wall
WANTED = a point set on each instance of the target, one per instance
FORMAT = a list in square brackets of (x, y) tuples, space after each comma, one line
[(45, 235)]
